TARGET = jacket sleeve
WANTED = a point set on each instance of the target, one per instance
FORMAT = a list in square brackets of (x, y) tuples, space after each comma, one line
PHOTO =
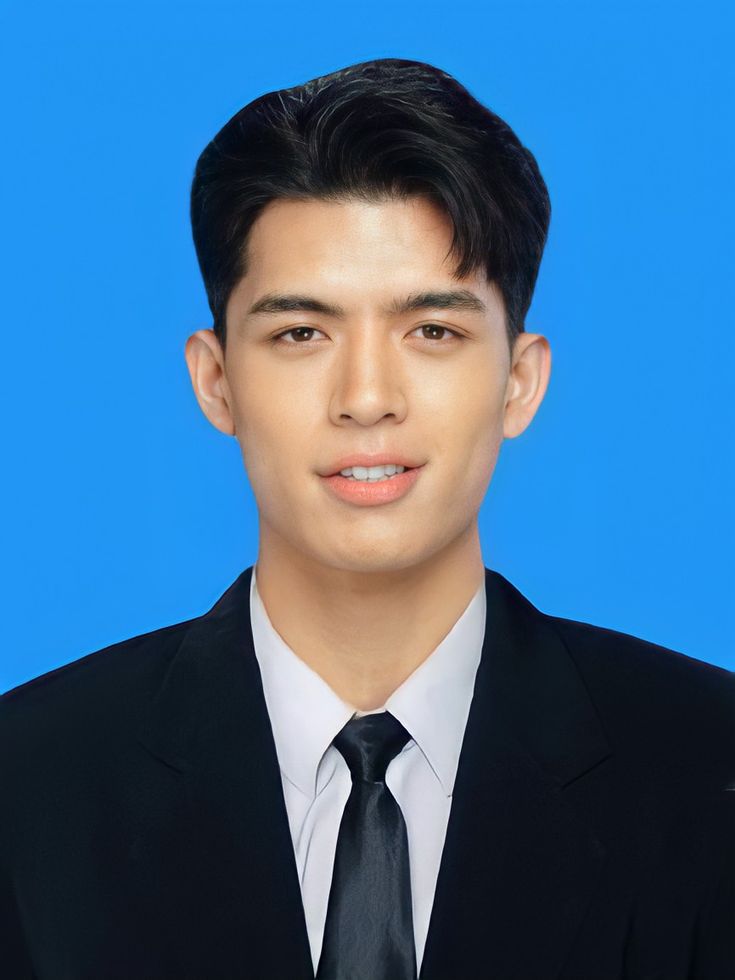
[(15, 961), (713, 954), (714, 946)]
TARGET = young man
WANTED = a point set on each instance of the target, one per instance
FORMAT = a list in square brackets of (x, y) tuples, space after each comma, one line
[(374, 758)]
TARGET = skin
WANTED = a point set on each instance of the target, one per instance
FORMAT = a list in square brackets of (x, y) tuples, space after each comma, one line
[(364, 595)]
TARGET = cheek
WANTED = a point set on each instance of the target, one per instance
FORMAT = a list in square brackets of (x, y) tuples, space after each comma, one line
[(276, 429), (262, 408), (473, 426), (472, 443)]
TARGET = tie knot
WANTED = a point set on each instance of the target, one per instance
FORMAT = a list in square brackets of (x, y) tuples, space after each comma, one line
[(369, 743)]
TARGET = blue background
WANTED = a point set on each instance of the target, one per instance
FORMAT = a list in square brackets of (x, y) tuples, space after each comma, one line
[(124, 510)]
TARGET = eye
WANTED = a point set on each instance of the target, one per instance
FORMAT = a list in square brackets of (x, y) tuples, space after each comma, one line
[(284, 333), (293, 330), (438, 326)]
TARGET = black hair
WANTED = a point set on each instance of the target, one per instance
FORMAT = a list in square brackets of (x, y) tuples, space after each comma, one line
[(371, 131)]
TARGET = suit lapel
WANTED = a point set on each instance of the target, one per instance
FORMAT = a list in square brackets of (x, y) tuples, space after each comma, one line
[(520, 863), (236, 887)]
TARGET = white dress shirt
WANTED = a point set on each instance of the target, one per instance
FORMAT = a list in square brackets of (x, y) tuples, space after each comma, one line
[(305, 714)]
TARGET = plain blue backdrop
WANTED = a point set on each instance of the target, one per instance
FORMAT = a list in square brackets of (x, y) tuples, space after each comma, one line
[(125, 511)]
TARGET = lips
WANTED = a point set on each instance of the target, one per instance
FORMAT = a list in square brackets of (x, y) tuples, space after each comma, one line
[(363, 493)]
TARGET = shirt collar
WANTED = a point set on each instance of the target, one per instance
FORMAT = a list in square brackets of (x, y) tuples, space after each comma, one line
[(432, 703)]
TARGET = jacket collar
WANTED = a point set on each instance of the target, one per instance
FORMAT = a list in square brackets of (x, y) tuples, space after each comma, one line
[(516, 851)]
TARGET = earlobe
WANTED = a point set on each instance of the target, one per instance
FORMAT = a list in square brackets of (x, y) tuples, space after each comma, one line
[(204, 360), (527, 382)]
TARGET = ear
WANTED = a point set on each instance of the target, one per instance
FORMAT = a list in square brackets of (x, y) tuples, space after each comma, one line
[(527, 382), (205, 360)]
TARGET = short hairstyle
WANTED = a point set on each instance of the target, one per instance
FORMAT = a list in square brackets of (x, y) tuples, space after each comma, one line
[(388, 128)]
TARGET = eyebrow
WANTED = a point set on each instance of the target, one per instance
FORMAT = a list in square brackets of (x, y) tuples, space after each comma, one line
[(453, 299)]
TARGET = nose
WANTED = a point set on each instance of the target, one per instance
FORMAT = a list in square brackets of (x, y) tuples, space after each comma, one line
[(368, 383)]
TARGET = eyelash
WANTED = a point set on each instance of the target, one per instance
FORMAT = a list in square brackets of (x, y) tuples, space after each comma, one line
[(284, 333)]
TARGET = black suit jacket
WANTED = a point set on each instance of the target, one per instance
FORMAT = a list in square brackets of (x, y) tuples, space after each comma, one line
[(143, 830)]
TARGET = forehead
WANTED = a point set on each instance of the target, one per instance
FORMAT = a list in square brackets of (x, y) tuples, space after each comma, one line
[(355, 248), (329, 226)]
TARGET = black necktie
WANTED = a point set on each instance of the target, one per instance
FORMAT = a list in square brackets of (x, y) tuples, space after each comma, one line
[(368, 933)]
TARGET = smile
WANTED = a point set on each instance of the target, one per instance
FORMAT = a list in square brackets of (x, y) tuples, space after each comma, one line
[(365, 491)]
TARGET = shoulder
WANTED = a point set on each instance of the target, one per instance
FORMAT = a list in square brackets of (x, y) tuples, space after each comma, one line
[(97, 693), (69, 738), (654, 700), (623, 662)]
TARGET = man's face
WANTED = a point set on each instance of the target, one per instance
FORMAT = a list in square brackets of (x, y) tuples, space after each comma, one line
[(429, 384)]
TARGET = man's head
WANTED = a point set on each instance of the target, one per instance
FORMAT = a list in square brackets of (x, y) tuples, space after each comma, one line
[(369, 243)]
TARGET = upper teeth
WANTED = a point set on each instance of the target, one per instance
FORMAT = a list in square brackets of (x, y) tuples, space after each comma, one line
[(372, 472)]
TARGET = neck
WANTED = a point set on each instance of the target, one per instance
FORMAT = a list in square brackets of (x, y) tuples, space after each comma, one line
[(364, 632)]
